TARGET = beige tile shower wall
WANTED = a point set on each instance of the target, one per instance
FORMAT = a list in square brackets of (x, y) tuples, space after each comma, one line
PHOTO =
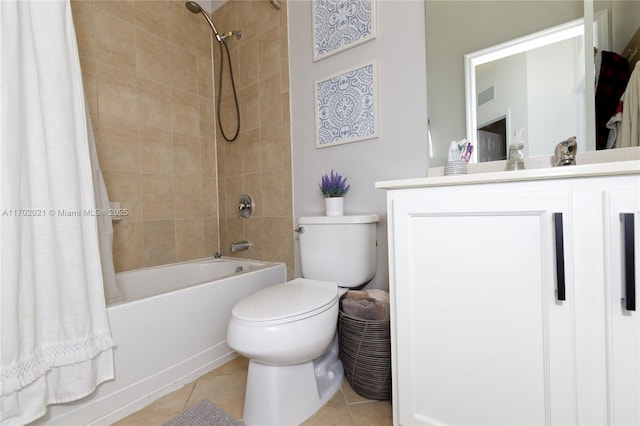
[(258, 163), (148, 80), (150, 84)]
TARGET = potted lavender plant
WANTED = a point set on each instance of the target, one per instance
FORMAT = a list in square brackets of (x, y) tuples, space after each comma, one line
[(333, 187)]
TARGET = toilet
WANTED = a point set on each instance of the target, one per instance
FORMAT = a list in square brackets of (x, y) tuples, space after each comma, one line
[(288, 330)]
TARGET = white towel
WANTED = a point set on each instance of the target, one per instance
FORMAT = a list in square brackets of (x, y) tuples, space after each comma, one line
[(629, 132)]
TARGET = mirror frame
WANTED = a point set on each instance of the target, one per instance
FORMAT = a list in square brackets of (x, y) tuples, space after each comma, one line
[(551, 35)]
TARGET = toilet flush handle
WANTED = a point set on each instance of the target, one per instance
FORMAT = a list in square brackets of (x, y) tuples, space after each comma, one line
[(299, 230)]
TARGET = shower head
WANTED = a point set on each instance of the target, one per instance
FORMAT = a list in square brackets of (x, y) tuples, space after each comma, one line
[(194, 7), (276, 4)]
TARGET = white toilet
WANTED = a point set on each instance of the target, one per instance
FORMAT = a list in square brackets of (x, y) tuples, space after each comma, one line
[(288, 331)]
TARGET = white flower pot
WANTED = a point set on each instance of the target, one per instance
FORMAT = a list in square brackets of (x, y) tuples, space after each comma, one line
[(334, 206)]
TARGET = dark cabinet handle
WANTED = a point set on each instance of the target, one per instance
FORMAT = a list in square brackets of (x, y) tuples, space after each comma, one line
[(629, 261), (557, 220)]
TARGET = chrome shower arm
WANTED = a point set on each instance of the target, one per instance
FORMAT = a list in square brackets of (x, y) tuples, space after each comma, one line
[(213, 27), (194, 7)]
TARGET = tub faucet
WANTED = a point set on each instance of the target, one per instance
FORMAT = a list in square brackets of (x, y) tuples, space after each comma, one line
[(240, 245), (566, 152)]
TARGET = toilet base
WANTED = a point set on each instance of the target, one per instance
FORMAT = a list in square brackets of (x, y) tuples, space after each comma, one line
[(288, 395)]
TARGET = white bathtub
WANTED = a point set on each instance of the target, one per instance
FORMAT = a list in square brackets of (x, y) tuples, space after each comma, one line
[(170, 330)]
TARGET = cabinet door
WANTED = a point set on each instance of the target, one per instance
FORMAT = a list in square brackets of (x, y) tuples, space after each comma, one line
[(480, 336), (623, 319)]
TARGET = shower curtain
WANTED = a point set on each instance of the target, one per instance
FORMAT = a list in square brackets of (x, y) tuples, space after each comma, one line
[(56, 343), (112, 292)]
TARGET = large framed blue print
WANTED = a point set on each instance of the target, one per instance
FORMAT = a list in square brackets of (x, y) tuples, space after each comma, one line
[(346, 108), (341, 24)]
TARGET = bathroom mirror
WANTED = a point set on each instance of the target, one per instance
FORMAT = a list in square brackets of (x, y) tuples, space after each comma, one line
[(457, 28), (529, 89)]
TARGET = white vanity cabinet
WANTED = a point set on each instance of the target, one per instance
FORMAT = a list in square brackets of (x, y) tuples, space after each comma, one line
[(506, 300), (622, 275)]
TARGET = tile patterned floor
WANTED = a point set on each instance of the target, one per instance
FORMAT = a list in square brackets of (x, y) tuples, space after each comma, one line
[(225, 387)]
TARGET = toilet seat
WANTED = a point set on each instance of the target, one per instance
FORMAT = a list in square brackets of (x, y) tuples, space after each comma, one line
[(289, 302)]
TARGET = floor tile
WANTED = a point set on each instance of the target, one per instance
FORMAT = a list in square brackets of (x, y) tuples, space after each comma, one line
[(224, 390), (375, 413), (160, 411), (335, 413), (237, 364), (225, 387)]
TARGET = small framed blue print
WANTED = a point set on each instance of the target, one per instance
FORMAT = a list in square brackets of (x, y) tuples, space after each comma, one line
[(346, 108), (341, 24)]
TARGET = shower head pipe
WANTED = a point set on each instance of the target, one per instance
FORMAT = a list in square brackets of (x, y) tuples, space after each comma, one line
[(194, 7)]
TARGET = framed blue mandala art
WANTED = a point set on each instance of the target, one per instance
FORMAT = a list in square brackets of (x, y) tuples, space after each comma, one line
[(346, 106), (341, 24)]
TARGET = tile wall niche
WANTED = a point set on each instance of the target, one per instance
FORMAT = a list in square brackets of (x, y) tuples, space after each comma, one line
[(149, 82)]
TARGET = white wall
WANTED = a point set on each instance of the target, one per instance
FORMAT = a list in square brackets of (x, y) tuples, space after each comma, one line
[(509, 77), (623, 21), (553, 122), (401, 149), (524, 84)]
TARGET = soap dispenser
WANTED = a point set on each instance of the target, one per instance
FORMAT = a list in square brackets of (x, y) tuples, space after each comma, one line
[(515, 159)]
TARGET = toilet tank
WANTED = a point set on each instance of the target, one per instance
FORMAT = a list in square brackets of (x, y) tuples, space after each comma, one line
[(341, 249)]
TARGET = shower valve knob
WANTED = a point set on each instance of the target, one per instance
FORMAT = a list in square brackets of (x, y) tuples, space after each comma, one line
[(245, 206)]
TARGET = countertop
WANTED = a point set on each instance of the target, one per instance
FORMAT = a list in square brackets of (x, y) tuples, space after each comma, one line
[(613, 168)]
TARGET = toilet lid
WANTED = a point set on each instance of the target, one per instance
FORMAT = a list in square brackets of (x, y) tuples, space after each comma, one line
[(291, 301)]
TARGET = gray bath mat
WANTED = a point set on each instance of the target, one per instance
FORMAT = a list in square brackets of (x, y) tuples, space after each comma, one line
[(204, 413)]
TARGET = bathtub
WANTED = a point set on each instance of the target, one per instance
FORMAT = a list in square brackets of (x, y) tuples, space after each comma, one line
[(170, 329)]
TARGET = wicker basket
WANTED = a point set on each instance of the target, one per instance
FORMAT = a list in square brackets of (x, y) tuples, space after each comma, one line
[(365, 350)]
